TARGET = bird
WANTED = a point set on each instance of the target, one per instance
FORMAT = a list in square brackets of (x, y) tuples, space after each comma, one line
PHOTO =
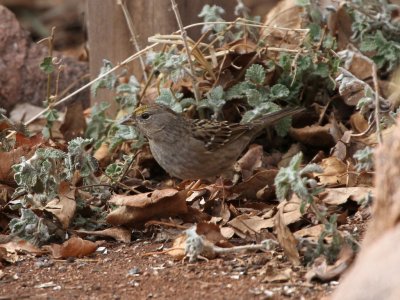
[(197, 148)]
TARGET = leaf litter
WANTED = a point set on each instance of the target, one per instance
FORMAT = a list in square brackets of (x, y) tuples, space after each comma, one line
[(107, 184)]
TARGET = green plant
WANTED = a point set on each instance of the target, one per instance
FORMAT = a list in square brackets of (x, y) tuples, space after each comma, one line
[(39, 177), (174, 101), (376, 31), (30, 227), (294, 179), (49, 65), (102, 129), (365, 159), (262, 99), (219, 29)]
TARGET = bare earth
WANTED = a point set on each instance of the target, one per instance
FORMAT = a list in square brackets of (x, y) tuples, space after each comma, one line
[(124, 273)]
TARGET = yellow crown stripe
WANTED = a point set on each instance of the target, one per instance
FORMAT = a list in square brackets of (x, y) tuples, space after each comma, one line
[(141, 109)]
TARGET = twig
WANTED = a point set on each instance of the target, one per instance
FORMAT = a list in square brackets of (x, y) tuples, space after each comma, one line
[(172, 39), (129, 166), (131, 28), (377, 103), (50, 40), (94, 185), (374, 91), (376, 88), (166, 224), (241, 21), (120, 184), (365, 132), (188, 51)]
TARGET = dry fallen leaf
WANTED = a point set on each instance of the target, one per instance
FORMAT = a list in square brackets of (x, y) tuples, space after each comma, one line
[(259, 186), (11, 158), (315, 135), (212, 233), (337, 196), (21, 246), (358, 122), (63, 208), (282, 276), (311, 233), (74, 123), (138, 209), (286, 239), (250, 161), (117, 233), (334, 171), (103, 154), (245, 225), (74, 247)]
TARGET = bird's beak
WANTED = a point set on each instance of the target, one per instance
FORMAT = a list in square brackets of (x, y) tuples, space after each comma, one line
[(128, 120)]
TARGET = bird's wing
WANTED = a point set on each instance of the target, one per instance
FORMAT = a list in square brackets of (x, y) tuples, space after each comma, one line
[(216, 134)]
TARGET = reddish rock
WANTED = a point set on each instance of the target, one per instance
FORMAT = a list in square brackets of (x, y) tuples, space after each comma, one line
[(21, 79)]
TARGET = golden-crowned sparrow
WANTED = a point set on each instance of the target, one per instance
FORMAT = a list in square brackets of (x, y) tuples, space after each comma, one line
[(197, 149)]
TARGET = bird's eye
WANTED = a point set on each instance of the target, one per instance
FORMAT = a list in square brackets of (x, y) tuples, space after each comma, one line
[(145, 116)]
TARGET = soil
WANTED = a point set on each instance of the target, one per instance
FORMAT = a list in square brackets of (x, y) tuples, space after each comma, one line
[(123, 272)]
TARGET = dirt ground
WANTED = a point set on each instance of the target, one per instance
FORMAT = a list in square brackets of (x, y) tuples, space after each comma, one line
[(124, 273)]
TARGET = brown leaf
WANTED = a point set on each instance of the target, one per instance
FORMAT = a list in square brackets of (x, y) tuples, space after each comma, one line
[(227, 232), (22, 140), (212, 233), (337, 196), (17, 246), (64, 208), (286, 239), (283, 276), (245, 225), (262, 180), (334, 171), (291, 210), (315, 135), (11, 158), (358, 122), (74, 247), (138, 209), (74, 123), (250, 161), (285, 14), (287, 157), (177, 250), (340, 150), (117, 233), (343, 26), (103, 154)]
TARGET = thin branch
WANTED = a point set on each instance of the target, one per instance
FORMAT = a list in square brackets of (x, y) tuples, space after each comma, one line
[(50, 40), (172, 40), (131, 28), (188, 51), (377, 103), (241, 21)]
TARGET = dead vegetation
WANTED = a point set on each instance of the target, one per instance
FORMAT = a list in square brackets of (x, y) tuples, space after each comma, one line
[(302, 191)]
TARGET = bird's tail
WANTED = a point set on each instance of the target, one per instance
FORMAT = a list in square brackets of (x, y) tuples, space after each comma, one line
[(272, 118)]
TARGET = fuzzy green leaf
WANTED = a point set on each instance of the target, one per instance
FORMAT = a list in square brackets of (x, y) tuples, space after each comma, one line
[(47, 65), (255, 74), (279, 91), (106, 82)]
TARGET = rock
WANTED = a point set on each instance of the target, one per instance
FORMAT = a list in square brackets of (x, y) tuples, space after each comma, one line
[(21, 79)]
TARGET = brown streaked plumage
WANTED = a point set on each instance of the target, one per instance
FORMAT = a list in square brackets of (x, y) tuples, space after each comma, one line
[(198, 149)]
